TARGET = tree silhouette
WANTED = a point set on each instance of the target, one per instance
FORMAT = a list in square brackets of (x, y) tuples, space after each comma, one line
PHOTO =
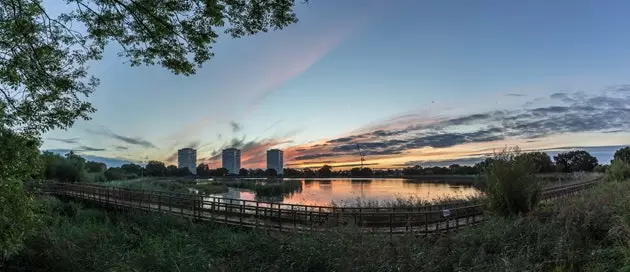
[(575, 161)]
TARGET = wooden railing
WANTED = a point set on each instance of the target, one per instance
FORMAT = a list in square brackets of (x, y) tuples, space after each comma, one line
[(290, 217)]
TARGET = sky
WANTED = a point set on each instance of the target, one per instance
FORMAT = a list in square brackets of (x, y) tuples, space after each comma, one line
[(409, 82)]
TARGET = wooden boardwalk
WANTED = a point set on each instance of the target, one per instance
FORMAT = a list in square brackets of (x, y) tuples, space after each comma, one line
[(291, 217)]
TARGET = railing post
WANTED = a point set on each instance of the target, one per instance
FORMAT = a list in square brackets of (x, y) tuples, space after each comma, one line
[(456, 218), (391, 223), (170, 203), (279, 217), (256, 215), (310, 220), (426, 222), (240, 214)]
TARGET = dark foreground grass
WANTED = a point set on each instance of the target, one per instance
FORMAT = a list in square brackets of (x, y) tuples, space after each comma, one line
[(585, 233)]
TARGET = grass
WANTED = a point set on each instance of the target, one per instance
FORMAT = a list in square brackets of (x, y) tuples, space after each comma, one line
[(149, 184), (589, 232), (410, 202), (212, 187)]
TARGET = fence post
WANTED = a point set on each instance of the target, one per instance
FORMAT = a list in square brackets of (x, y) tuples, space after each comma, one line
[(256, 214), (279, 217), (391, 224), (456, 218), (426, 222), (240, 214)]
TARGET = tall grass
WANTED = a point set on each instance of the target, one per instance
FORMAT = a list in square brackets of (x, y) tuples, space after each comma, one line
[(511, 185), (409, 202), (149, 185), (589, 232), (619, 170)]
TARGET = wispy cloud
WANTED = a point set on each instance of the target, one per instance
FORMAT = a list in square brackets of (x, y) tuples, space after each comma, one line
[(89, 148), (515, 95), (66, 140), (129, 140), (573, 113)]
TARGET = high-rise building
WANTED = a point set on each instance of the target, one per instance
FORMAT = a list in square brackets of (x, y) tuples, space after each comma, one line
[(187, 157), (275, 160), (231, 160)]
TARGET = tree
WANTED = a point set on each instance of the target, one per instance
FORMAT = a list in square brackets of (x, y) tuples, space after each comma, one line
[(202, 170), (257, 172), (115, 173), (325, 171), (44, 77), (308, 173), (93, 167), (183, 172), (222, 172), (270, 172), (540, 160), (156, 169), (623, 154), (575, 161), (243, 172), (19, 158), (292, 173), (361, 172), (480, 166), (49, 163), (172, 171), (45, 58), (132, 169), (415, 170)]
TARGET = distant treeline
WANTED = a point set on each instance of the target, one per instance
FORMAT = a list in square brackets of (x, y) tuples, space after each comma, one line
[(74, 168)]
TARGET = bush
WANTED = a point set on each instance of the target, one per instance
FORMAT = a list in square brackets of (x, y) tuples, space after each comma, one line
[(94, 177), (619, 170), (512, 187), (17, 218)]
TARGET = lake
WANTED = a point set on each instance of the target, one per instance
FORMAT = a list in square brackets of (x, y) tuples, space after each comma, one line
[(345, 192)]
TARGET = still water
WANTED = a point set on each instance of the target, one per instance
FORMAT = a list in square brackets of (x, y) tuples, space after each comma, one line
[(346, 191)]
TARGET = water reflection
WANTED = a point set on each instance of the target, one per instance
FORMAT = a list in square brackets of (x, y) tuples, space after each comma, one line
[(325, 191)]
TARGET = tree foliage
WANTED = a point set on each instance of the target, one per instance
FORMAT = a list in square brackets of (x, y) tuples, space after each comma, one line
[(623, 154), (325, 171), (44, 74), (18, 159), (540, 161), (43, 64), (156, 169), (575, 161), (270, 172)]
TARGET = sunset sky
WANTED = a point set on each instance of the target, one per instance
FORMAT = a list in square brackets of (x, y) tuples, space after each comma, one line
[(411, 82)]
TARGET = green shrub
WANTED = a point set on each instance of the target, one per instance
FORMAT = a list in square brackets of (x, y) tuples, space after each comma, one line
[(17, 218), (619, 170), (510, 184), (94, 177)]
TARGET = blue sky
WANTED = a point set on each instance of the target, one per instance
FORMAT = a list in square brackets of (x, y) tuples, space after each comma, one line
[(349, 68)]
